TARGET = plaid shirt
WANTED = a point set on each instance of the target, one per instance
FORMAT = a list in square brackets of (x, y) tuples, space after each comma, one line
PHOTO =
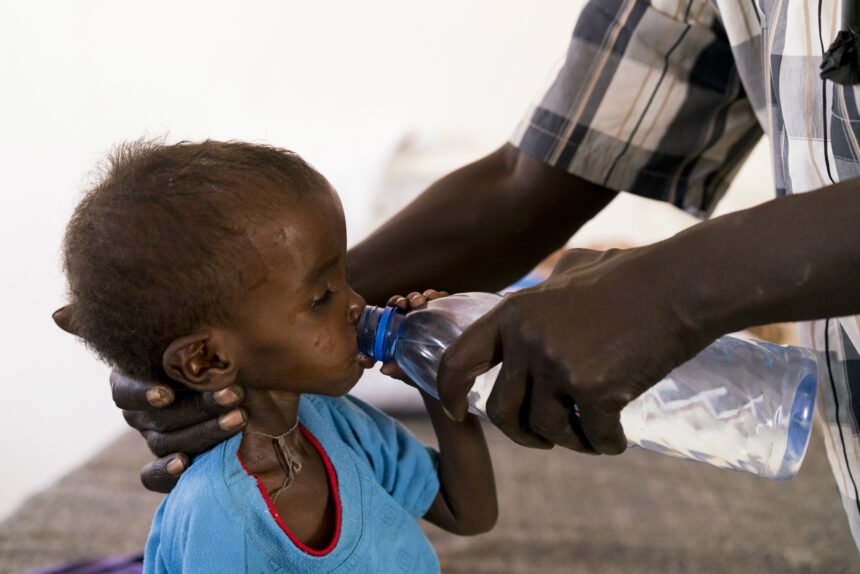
[(666, 99)]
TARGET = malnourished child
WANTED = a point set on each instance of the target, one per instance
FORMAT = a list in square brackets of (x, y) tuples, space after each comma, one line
[(217, 264)]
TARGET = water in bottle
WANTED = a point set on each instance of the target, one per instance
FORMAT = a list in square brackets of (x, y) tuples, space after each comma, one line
[(739, 404)]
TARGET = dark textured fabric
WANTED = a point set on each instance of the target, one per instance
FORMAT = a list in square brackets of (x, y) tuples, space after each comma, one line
[(666, 98)]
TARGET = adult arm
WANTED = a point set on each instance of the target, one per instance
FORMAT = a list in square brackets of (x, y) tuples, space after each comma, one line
[(608, 325), (479, 228)]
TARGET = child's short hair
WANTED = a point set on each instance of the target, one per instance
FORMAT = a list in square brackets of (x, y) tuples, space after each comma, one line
[(154, 251)]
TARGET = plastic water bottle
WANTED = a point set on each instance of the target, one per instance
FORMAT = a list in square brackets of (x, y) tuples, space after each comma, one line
[(739, 404)]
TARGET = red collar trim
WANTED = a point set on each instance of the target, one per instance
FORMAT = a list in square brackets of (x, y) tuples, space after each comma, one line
[(332, 482)]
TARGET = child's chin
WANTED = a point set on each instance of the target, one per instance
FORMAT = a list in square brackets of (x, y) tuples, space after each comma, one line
[(349, 381)]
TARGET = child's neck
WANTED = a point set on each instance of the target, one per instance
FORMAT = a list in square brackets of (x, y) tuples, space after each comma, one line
[(270, 414), (289, 466)]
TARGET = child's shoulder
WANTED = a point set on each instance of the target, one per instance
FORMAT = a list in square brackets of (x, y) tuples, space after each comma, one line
[(361, 427), (344, 403), (205, 479), (347, 410), (200, 522)]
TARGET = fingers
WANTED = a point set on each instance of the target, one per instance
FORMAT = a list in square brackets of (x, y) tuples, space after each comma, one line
[(552, 417), (415, 299), (188, 410), (505, 407), (473, 353), (134, 394), (197, 438), (64, 318), (431, 294), (602, 427), (162, 474), (231, 396)]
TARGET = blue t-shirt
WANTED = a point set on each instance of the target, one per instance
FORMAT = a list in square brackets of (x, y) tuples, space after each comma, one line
[(217, 519)]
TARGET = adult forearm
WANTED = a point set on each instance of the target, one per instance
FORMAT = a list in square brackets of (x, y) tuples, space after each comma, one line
[(479, 228), (791, 259)]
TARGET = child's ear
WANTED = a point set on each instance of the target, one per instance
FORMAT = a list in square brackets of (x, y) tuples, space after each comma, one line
[(201, 361), (64, 317)]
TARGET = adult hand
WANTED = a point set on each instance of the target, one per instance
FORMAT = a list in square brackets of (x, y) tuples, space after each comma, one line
[(597, 333), (175, 424)]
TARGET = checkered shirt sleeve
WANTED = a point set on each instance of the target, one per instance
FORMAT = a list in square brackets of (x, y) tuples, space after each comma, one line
[(649, 101)]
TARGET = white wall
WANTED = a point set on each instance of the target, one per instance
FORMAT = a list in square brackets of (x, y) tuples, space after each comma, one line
[(339, 82)]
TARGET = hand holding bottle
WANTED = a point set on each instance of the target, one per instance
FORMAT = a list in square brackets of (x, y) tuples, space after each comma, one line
[(739, 404), (600, 331), (411, 301)]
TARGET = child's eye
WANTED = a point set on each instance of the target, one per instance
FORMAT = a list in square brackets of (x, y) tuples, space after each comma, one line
[(322, 299)]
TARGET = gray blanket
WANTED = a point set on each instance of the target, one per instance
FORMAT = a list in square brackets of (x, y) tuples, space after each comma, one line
[(560, 512)]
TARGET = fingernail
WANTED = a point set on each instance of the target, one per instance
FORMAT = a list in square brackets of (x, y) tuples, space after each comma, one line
[(175, 466), (232, 420), (159, 396), (227, 397)]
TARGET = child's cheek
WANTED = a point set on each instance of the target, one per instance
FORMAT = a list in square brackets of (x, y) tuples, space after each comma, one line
[(324, 343)]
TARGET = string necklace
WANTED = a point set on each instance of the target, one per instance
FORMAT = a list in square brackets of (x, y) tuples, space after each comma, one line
[(287, 458)]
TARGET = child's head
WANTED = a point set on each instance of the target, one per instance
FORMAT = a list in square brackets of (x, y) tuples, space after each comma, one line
[(215, 263)]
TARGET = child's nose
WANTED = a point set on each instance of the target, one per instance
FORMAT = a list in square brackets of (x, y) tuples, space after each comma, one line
[(356, 306)]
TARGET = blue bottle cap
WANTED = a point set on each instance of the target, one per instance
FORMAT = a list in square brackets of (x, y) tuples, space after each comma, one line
[(379, 340)]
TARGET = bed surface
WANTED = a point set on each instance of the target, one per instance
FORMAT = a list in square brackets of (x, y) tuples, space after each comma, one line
[(559, 512)]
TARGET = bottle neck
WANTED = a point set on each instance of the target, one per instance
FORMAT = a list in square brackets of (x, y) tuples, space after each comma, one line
[(378, 328)]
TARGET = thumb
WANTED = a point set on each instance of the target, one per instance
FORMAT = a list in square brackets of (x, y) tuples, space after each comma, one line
[(64, 318), (473, 353)]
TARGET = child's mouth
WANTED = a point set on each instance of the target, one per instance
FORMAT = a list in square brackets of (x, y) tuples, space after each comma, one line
[(363, 360)]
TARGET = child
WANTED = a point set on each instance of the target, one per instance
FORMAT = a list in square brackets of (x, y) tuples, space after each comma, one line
[(223, 263)]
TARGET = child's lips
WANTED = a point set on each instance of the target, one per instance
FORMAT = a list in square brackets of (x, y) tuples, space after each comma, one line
[(365, 361)]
